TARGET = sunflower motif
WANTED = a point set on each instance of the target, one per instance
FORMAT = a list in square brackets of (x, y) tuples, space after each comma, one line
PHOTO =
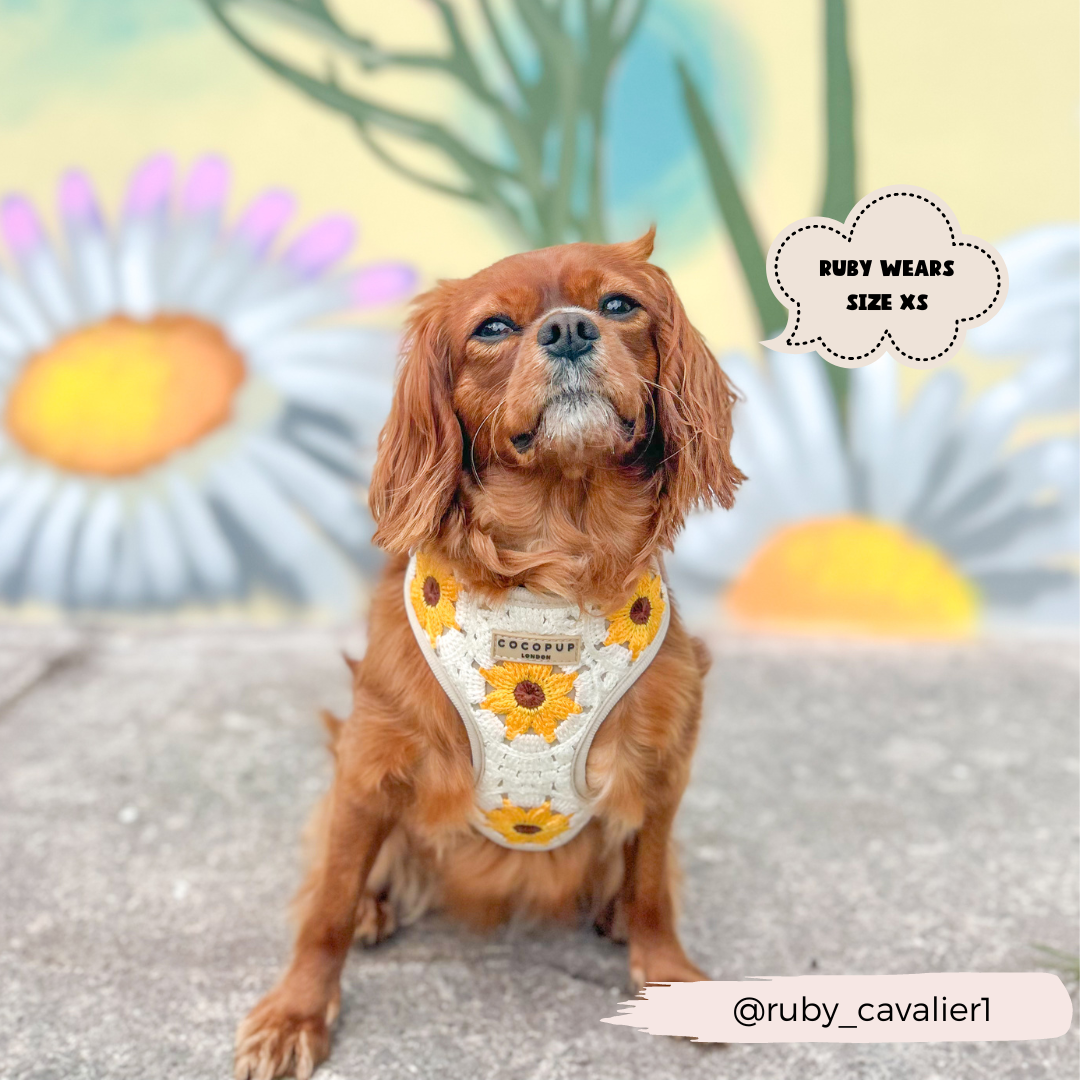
[(635, 624), (540, 825), (530, 696), (433, 592), (177, 420)]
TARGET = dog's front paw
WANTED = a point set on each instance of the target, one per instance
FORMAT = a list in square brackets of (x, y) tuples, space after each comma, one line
[(277, 1040), (612, 922), (376, 920), (665, 963)]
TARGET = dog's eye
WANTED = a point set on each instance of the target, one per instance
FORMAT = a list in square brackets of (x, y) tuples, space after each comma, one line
[(494, 328), (618, 305)]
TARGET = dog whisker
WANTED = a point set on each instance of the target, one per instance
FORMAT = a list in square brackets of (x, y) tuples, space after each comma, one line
[(472, 446)]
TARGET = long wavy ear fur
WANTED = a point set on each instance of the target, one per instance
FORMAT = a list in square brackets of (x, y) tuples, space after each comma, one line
[(418, 465), (693, 408)]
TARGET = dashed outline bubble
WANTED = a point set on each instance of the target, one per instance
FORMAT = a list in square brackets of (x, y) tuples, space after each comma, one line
[(785, 342)]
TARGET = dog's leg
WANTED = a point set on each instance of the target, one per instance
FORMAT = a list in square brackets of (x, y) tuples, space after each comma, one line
[(655, 952), (400, 890), (611, 922), (288, 1031), (376, 920)]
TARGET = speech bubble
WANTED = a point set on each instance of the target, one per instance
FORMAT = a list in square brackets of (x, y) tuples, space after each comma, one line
[(897, 276)]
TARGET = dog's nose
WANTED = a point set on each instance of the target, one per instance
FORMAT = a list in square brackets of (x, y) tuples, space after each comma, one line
[(567, 334)]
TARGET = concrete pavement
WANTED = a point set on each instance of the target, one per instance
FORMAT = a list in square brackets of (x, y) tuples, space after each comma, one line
[(854, 809)]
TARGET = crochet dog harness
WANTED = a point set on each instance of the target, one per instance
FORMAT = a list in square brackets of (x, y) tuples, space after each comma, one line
[(533, 677)]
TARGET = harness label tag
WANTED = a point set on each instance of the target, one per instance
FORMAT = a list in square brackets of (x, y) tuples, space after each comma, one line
[(536, 648)]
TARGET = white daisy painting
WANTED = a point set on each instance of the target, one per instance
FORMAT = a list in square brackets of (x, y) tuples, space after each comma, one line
[(186, 409), (918, 522), (1040, 319)]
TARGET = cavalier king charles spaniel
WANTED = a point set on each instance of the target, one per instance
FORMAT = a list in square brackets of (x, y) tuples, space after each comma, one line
[(555, 417)]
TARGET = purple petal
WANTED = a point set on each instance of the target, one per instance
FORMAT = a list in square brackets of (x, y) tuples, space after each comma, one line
[(20, 224), (150, 186), (207, 185), (78, 203), (321, 245), (265, 217), (382, 283)]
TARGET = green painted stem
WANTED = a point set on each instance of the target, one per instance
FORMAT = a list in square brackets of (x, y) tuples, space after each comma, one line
[(772, 315), (839, 196)]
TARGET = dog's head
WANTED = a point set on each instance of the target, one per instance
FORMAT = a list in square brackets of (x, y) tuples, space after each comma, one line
[(563, 360)]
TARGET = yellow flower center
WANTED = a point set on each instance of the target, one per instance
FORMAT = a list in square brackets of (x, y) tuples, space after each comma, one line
[(120, 395), (856, 575)]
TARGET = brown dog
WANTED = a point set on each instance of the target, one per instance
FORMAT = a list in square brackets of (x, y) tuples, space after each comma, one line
[(555, 418)]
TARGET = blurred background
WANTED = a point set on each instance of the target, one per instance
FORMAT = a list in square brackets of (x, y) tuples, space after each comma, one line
[(215, 212)]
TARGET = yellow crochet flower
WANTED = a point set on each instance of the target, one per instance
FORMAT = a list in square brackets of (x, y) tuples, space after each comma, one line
[(529, 696), (433, 591), (635, 624), (539, 825)]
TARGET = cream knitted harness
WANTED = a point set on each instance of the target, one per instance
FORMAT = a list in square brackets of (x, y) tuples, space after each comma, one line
[(533, 677)]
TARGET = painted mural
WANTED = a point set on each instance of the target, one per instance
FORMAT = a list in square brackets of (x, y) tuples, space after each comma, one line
[(194, 370)]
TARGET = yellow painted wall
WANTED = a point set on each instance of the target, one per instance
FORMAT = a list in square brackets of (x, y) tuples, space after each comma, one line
[(976, 101)]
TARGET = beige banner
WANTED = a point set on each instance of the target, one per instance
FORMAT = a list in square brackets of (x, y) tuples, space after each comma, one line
[(937, 1007)]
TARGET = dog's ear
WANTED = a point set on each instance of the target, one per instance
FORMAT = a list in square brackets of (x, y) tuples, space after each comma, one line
[(693, 411), (640, 249), (418, 465)]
